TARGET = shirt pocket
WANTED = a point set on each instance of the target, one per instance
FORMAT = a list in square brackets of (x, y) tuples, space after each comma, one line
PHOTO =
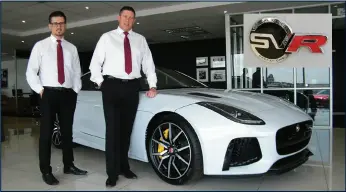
[(136, 51), (68, 59)]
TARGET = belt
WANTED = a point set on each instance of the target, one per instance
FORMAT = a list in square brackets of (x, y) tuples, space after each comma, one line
[(117, 79), (57, 88)]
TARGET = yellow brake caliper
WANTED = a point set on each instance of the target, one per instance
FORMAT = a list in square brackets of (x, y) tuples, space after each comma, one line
[(161, 148)]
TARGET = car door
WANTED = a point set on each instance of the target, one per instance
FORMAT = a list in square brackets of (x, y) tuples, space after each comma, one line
[(89, 117)]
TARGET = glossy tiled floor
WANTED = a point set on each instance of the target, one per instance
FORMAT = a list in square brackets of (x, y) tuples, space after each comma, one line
[(20, 169)]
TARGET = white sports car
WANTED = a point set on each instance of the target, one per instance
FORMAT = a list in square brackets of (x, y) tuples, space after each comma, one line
[(189, 130)]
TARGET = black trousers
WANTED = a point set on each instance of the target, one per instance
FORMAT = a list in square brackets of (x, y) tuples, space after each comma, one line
[(120, 103), (61, 102)]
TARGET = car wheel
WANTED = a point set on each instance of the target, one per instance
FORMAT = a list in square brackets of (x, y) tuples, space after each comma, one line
[(174, 150), (56, 136)]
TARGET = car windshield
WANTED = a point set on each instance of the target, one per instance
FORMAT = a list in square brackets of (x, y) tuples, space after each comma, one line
[(323, 92), (171, 79)]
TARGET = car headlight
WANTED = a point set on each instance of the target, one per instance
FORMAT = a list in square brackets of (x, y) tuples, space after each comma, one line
[(232, 113)]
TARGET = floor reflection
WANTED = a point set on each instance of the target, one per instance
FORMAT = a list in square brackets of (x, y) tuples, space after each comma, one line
[(20, 166)]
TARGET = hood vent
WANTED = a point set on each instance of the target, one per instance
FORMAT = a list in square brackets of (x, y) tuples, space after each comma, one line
[(204, 95)]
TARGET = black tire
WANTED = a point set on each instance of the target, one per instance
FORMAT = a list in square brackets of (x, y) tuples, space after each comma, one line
[(193, 154)]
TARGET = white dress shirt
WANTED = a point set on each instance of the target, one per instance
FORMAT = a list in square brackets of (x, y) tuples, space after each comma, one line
[(42, 66), (109, 59)]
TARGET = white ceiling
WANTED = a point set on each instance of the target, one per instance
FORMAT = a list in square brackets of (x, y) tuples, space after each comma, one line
[(88, 24)]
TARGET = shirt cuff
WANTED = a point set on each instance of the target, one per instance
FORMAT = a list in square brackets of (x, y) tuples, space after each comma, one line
[(152, 84)]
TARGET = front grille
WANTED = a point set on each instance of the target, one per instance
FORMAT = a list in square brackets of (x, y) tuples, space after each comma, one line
[(293, 138), (291, 162), (242, 151)]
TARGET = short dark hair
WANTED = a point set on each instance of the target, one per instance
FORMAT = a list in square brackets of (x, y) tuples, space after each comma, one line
[(56, 14), (127, 8)]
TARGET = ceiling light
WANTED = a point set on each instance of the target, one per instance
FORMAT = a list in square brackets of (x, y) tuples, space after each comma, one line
[(137, 23), (23, 21), (224, 11), (86, 7), (22, 41), (72, 33)]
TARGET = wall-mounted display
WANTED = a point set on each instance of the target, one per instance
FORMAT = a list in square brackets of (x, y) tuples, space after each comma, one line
[(218, 75), (202, 74), (217, 61), (202, 61)]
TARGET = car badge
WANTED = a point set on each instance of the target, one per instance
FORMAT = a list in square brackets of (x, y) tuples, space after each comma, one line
[(171, 150)]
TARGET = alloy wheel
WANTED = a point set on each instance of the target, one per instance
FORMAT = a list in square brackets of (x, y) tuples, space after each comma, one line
[(170, 150)]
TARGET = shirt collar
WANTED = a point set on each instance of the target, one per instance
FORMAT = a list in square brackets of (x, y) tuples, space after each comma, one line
[(121, 31), (54, 39)]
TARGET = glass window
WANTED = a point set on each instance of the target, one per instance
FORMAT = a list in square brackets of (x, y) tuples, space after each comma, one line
[(288, 95), (275, 77), (338, 9), (236, 19), (313, 77), (314, 103), (322, 92), (245, 78), (242, 78), (318, 9), (279, 11), (318, 105)]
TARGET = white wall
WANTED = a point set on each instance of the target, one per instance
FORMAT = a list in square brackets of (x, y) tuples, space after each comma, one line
[(21, 79)]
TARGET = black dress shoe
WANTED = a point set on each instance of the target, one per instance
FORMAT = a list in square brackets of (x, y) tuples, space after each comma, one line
[(111, 182), (129, 174), (50, 179), (74, 170)]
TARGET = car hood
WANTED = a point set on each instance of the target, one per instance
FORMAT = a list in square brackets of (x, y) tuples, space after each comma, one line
[(249, 101)]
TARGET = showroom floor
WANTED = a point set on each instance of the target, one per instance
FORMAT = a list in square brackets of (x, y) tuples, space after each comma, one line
[(20, 170)]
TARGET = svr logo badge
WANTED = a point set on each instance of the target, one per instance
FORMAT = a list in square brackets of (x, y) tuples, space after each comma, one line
[(273, 40)]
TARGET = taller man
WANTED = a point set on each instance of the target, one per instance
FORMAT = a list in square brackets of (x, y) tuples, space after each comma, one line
[(118, 58), (54, 72)]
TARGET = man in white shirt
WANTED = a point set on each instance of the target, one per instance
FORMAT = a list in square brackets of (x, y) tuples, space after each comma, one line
[(116, 66), (54, 72)]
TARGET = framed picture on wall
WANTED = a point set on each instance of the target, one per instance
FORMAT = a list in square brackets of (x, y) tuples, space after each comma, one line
[(218, 75), (4, 78), (218, 61), (202, 74), (202, 61)]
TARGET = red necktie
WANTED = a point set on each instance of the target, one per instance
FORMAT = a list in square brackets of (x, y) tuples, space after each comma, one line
[(128, 59), (61, 75)]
